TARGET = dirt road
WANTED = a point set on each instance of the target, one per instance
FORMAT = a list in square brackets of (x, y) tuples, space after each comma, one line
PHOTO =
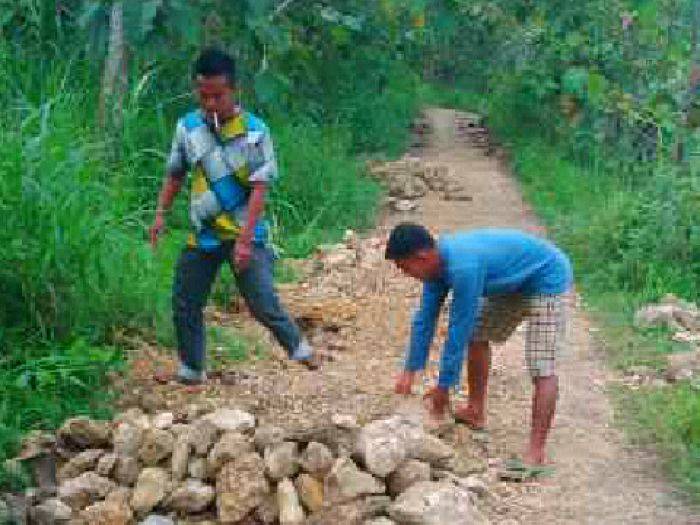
[(365, 307)]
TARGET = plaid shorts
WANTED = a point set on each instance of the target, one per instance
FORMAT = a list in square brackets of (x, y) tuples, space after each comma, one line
[(546, 317)]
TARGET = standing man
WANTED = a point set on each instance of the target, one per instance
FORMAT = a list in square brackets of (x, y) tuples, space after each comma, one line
[(230, 156), (498, 278)]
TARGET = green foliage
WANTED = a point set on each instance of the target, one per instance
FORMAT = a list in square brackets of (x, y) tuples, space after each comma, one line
[(76, 270)]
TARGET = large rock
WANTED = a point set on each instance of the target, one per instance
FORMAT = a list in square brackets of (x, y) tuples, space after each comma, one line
[(231, 420), (163, 420), (310, 492), (127, 439), (379, 521), (291, 512), (408, 473), (151, 488), (352, 513), (346, 482), (380, 448), (157, 445), (232, 445), (203, 435), (282, 460), (432, 450), (80, 433), (191, 497), (198, 468), (114, 510), (86, 460), (84, 490), (135, 417), (241, 486), (317, 460), (156, 519), (268, 512), (430, 503), (106, 464), (181, 457), (50, 512), (267, 435), (126, 470)]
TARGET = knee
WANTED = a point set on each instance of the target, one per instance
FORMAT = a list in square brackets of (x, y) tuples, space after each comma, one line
[(264, 308)]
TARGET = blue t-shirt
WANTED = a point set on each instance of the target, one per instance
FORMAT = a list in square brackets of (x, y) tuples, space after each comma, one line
[(476, 264)]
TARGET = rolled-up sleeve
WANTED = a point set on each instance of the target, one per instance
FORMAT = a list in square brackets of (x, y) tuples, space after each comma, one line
[(467, 289), (423, 328)]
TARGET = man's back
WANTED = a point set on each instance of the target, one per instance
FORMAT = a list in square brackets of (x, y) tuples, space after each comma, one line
[(512, 261)]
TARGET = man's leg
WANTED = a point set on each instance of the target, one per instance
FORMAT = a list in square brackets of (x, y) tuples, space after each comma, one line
[(546, 327), (257, 288), (478, 364), (544, 402), (194, 274)]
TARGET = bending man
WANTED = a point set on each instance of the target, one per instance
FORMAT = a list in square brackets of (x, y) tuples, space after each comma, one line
[(498, 278)]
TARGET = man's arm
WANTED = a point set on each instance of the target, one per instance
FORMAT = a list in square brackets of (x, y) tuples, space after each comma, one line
[(467, 290), (176, 171), (256, 205), (423, 327), (264, 174)]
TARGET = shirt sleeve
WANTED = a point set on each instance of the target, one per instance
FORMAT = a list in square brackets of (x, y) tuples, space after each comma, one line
[(266, 165), (176, 164), (423, 328), (467, 289)]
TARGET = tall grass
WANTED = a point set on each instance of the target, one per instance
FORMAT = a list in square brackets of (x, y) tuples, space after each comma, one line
[(76, 270)]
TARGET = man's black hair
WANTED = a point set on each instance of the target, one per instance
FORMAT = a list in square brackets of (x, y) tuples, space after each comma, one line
[(407, 239), (213, 62)]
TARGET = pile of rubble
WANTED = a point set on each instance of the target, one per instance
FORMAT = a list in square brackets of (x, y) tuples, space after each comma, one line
[(411, 178), (471, 128), (222, 467), (673, 313), (682, 318), (338, 276)]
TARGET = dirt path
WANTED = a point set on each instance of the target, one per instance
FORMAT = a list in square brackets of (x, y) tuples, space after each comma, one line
[(598, 479)]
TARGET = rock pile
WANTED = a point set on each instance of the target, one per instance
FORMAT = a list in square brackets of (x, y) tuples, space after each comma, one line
[(672, 313), (222, 467), (471, 128), (410, 178), (683, 319)]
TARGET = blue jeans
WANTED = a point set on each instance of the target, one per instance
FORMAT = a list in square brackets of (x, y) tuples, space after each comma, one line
[(194, 275)]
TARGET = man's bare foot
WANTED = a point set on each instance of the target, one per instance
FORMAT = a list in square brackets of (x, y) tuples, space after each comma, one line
[(467, 414)]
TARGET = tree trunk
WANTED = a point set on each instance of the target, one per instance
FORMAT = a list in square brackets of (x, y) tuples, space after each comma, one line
[(114, 74)]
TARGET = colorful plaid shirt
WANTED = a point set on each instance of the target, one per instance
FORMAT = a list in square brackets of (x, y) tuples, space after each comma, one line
[(223, 165)]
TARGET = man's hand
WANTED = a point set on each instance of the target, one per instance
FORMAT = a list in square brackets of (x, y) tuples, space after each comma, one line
[(242, 251), (436, 400), (404, 383), (157, 229)]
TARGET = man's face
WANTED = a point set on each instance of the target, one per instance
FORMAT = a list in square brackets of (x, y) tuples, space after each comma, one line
[(215, 95), (424, 265)]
